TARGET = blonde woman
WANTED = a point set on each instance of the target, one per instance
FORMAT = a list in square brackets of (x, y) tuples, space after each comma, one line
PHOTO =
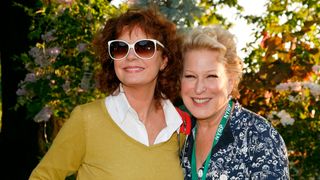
[(228, 141)]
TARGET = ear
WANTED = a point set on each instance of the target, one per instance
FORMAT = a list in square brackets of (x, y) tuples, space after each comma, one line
[(164, 63)]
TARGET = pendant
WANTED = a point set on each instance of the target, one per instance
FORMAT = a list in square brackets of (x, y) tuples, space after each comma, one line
[(200, 173)]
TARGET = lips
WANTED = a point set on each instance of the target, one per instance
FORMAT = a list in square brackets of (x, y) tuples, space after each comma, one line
[(201, 100), (133, 69)]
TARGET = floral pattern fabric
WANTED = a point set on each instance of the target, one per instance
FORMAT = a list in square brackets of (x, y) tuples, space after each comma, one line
[(249, 148)]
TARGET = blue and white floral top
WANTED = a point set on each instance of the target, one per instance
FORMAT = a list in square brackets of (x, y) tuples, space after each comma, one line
[(249, 148)]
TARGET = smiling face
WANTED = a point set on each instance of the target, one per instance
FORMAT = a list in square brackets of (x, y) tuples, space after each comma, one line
[(133, 71), (204, 84)]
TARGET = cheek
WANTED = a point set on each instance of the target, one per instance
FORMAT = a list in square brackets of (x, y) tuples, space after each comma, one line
[(216, 89), (222, 91), (116, 64), (153, 64), (186, 87), (117, 68), (219, 87), (153, 69), (158, 62)]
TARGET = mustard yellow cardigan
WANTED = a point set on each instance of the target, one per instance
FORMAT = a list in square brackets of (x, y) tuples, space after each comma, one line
[(93, 146)]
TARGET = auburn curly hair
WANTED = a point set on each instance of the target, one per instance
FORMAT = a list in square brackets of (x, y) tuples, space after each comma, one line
[(154, 25)]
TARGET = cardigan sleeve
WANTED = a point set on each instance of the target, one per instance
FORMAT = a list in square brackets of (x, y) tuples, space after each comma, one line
[(65, 155)]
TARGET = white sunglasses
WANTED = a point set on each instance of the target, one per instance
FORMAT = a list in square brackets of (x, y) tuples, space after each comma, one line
[(143, 48)]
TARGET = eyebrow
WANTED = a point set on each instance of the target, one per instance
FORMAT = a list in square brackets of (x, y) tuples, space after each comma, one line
[(209, 71)]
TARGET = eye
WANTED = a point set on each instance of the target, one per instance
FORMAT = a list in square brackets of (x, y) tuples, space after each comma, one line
[(189, 76), (212, 76)]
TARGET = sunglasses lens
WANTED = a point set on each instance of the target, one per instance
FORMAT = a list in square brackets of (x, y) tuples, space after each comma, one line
[(145, 48), (118, 49)]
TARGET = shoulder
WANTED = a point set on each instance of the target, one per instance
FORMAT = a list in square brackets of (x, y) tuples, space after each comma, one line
[(243, 118), (90, 110), (90, 106), (263, 143)]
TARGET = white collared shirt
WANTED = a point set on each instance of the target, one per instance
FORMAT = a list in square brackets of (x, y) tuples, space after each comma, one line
[(128, 120)]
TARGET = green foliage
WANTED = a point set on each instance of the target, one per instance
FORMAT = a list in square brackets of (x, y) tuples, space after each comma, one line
[(190, 13), (61, 64), (283, 79), (210, 12), (183, 12)]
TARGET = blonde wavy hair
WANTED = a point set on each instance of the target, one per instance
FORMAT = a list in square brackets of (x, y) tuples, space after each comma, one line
[(216, 38)]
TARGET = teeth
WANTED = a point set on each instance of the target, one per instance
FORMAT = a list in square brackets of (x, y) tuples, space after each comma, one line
[(199, 101), (134, 69)]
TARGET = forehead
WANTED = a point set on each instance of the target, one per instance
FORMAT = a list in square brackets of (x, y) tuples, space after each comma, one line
[(135, 31), (202, 57)]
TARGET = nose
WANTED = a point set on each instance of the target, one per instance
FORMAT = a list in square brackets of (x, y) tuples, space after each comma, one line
[(131, 55), (200, 87)]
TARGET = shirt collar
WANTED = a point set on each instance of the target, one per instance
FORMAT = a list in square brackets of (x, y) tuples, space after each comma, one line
[(122, 104), (172, 117)]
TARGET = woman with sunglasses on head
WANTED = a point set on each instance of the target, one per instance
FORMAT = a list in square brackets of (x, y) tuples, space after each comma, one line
[(227, 141), (133, 133)]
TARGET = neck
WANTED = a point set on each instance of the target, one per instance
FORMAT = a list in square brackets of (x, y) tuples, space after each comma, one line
[(214, 121), (141, 100)]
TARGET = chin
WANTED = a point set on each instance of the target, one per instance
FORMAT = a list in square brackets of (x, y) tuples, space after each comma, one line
[(199, 115), (201, 118)]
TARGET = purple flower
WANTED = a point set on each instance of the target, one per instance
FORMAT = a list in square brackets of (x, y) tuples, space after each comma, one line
[(49, 36), (35, 52), (39, 57), (82, 47), (66, 86), (30, 77), (85, 81), (44, 115), (21, 92)]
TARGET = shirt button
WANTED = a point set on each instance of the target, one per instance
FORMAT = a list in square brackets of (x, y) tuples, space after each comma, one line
[(200, 173)]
